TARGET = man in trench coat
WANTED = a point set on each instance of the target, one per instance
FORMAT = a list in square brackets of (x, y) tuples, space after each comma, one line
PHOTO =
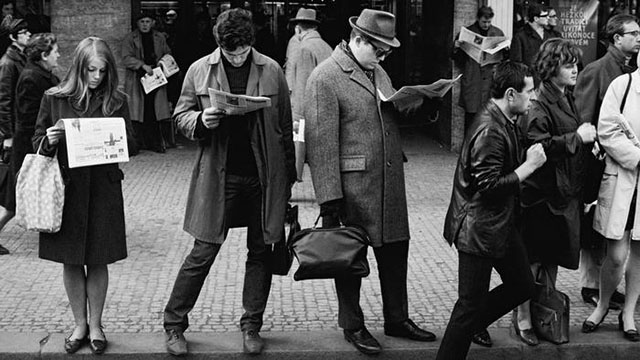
[(242, 176), (356, 165)]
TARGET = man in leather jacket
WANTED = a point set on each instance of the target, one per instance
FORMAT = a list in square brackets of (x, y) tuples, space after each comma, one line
[(482, 216)]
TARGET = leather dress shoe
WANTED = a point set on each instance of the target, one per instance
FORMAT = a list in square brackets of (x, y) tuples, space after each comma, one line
[(3, 250), (589, 326), (409, 330), (363, 341), (98, 346), (631, 334), (252, 343), (72, 346), (528, 336), (176, 343), (482, 338)]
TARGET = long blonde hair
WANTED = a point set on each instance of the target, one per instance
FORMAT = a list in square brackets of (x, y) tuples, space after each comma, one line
[(75, 84)]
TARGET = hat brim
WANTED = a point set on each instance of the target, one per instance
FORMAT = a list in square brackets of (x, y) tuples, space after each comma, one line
[(391, 42), (311, 21)]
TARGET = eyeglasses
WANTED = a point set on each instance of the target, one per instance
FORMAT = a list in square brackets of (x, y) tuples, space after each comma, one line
[(23, 31), (634, 33), (380, 52)]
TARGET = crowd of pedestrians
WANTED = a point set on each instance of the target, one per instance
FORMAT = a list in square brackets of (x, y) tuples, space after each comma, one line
[(522, 202)]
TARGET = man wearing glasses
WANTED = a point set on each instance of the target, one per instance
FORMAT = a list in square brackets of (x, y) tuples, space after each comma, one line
[(357, 170), (242, 177), (623, 33), (527, 41)]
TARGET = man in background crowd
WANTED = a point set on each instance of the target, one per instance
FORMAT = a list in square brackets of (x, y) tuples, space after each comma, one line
[(527, 41)]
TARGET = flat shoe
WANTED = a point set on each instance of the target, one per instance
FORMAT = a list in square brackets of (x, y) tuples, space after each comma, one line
[(98, 346), (482, 338), (589, 326), (72, 346)]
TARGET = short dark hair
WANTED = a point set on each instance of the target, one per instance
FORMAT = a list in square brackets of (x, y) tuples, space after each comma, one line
[(615, 25), (485, 12), (234, 29), (535, 10), (39, 44), (509, 74), (307, 25), (553, 54)]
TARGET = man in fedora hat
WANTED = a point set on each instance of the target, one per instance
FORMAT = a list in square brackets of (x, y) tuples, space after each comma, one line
[(356, 165), (312, 50)]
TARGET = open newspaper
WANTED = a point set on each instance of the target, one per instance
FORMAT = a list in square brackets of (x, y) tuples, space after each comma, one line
[(408, 94), (169, 65), (484, 50), (153, 81), (95, 141), (234, 104)]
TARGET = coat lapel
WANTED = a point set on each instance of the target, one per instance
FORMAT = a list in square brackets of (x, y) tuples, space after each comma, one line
[(348, 65)]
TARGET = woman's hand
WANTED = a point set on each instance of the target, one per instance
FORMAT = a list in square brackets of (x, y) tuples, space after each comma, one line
[(587, 133), (54, 134)]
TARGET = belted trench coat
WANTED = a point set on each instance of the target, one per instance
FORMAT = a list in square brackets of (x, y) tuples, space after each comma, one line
[(271, 142), (353, 147)]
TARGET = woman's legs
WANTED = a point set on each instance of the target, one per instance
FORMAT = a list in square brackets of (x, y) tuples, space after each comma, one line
[(632, 285), (610, 275), (74, 278), (97, 283)]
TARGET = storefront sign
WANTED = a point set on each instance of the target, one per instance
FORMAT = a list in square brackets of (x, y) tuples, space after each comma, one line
[(578, 22)]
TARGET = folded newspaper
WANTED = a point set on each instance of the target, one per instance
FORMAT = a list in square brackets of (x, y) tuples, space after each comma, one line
[(169, 65), (154, 81), (95, 141), (484, 50), (234, 104), (414, 92)]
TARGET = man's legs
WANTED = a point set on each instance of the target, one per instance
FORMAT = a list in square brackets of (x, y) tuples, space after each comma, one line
[(392, 271)]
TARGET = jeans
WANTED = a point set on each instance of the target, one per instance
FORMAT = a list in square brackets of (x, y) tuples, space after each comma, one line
[(477, 307), (392, 272), (241, 194)]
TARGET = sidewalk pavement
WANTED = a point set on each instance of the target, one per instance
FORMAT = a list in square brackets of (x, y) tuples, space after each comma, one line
[(33, 303)]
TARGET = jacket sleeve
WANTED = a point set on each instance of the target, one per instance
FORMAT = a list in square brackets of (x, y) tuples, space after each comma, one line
[(538, 128), (187, 114), (286, 125), (587, 94), (129, 56), (486, 161), (28, 97), (44, 122), (610, 136), (305, 62), (8, 80), (322, 134)]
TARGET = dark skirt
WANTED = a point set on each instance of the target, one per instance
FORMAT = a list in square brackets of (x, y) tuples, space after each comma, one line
[(552, 236)]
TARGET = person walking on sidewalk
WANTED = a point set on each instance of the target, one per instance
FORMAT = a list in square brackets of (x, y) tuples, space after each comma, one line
[(482, 217), (243, 174), (11, 65), (623, 33), (357, 170), (92, 234)]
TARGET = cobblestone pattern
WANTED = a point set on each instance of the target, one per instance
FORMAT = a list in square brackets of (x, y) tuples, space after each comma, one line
[(155, 189)]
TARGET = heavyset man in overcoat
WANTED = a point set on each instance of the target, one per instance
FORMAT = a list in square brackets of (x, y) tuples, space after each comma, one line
[(357, 169)]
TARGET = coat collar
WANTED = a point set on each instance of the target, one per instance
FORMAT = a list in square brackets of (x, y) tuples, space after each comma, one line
[(257, 64), (311, 34), (552, 95), (14, 53), (620, 59), (38, 68), (496, 113), (348, 65)]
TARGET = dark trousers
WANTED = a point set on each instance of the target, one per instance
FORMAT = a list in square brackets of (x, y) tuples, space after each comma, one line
[(477, 307), (392, 271), (148, 131), (241, 194)]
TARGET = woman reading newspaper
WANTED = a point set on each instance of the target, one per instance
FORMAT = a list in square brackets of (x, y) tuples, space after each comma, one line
[(93, 231)]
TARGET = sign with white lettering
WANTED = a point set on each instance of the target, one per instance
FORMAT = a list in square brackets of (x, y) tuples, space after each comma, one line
[(578, 22)]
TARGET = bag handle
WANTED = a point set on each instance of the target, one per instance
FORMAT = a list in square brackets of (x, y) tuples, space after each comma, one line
[(626, 92)]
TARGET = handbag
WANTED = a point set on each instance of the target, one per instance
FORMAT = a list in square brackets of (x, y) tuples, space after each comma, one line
[(328, 253), (549, 310), (281, 257), (40, 193)]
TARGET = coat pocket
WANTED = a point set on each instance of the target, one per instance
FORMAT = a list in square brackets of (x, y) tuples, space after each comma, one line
[(353, 163)]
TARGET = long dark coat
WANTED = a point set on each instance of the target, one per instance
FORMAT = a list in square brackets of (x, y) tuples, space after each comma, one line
[(354, 149), (11, 65), (476, 80), (93, 228), (526, 44), (271, 142), (484, 208), (551, 197)]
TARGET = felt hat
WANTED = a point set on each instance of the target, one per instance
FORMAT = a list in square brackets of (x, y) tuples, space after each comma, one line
[(376, 24), (305, 15)]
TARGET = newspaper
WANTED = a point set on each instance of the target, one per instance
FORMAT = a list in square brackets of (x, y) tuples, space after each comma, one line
[(234, 104), (484, 50), (169, 65), (95, 141), (152, 82), (414, 92)]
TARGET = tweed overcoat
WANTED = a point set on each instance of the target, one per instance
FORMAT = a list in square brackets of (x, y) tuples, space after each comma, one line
[(271, 141), (353, 147), (312, 50), (133, 59), (93, 227), (476, 80), (620, 178)]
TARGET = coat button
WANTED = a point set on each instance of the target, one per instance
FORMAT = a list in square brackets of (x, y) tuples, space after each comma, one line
[(386, 133), (389, 163)]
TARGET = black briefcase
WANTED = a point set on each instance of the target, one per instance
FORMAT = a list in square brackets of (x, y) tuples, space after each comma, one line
[(327, 253)]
